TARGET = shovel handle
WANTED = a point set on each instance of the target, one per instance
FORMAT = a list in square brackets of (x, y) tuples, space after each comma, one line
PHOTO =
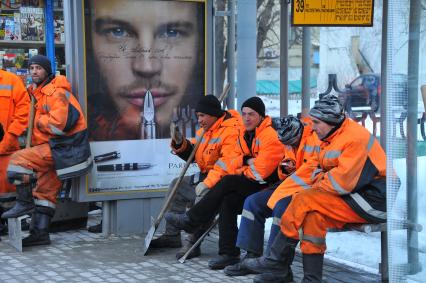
[(30, 123), (185, 168), (423, 90)]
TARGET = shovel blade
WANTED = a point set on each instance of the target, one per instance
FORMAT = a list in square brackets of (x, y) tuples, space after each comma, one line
[(148, 239)]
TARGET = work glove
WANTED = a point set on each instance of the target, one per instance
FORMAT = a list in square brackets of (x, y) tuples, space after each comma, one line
[(201, 189), (175, 134), (9, 144), (288, 166)]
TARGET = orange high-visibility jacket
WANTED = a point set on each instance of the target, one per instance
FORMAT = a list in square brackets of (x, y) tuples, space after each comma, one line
[(14, 103), (217, 142), (60, 122), (58, 112), (306, 163), (352, 165), (309, 144), (263, 157)]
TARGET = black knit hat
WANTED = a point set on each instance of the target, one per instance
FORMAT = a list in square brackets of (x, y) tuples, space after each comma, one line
[(210, 105), (43, 61), (256, 104)]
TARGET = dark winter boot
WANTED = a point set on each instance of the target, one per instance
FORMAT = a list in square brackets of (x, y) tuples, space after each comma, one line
[(39, 227), (181, 221), (192, 239), (223, 261), (24, 203), (95, 228), (273, 278), (277, 262), (196, 252), (3, 228), (167, 241), (312, 268), (170, 239), (237, 269)]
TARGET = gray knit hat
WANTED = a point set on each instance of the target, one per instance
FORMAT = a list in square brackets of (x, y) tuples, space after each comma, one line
[(290, 131), (328, 109)]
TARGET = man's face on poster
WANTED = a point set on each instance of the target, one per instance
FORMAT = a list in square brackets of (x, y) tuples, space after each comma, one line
[(145, 45)]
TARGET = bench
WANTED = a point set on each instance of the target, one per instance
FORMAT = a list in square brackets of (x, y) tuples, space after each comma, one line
[(68, 215), (382, 227)]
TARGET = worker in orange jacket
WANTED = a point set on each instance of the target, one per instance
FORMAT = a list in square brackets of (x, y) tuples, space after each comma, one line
[(252, 167), (301, 143), (14, 107), (60, 150), (221, 129), (349, 187)]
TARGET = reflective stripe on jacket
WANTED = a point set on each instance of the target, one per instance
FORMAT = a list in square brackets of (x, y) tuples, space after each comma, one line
[(218, 141), (265, 154), (352, 165), (14, 103), (306, 163)]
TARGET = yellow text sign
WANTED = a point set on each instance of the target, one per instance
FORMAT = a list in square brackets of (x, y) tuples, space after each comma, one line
[(332, 12)]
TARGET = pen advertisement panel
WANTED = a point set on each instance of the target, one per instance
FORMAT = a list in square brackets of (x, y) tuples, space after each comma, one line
[(145, 68)]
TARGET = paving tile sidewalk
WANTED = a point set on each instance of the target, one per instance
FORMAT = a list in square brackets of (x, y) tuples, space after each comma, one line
[(80, 256)]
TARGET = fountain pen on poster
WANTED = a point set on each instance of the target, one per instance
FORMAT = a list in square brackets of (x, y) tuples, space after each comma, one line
[(107, 156), (148, 124), (124, 167)]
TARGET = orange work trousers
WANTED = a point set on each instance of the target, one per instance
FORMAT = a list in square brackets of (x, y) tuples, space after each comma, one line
[(39, 159), (311, 213), (6, 189)]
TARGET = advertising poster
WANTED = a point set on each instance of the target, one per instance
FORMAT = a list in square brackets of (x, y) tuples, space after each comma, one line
[(144, 68)]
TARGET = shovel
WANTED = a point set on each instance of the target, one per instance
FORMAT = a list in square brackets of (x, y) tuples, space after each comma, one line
[(30, 123), (170, 197)]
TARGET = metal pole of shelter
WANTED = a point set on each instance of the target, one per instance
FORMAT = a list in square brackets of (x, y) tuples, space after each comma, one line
[(306, 70), (413, 83), (384, 265), (50, 34), (284, 58), (209, 48), (230, 100), (246, 51)]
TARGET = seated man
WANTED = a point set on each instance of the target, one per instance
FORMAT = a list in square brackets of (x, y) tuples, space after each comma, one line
[(221, 133), (15, 104), (350, 188), (253, 165), (60, 149), (300, 144)]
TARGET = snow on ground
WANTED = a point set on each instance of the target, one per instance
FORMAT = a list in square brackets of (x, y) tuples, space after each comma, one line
[(363, 249)]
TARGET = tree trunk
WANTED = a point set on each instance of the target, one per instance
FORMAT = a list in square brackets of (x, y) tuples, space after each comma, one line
[(220, 64), (264, 23)]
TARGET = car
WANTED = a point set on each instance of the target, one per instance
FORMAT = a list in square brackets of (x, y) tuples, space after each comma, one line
[(362, 94)]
